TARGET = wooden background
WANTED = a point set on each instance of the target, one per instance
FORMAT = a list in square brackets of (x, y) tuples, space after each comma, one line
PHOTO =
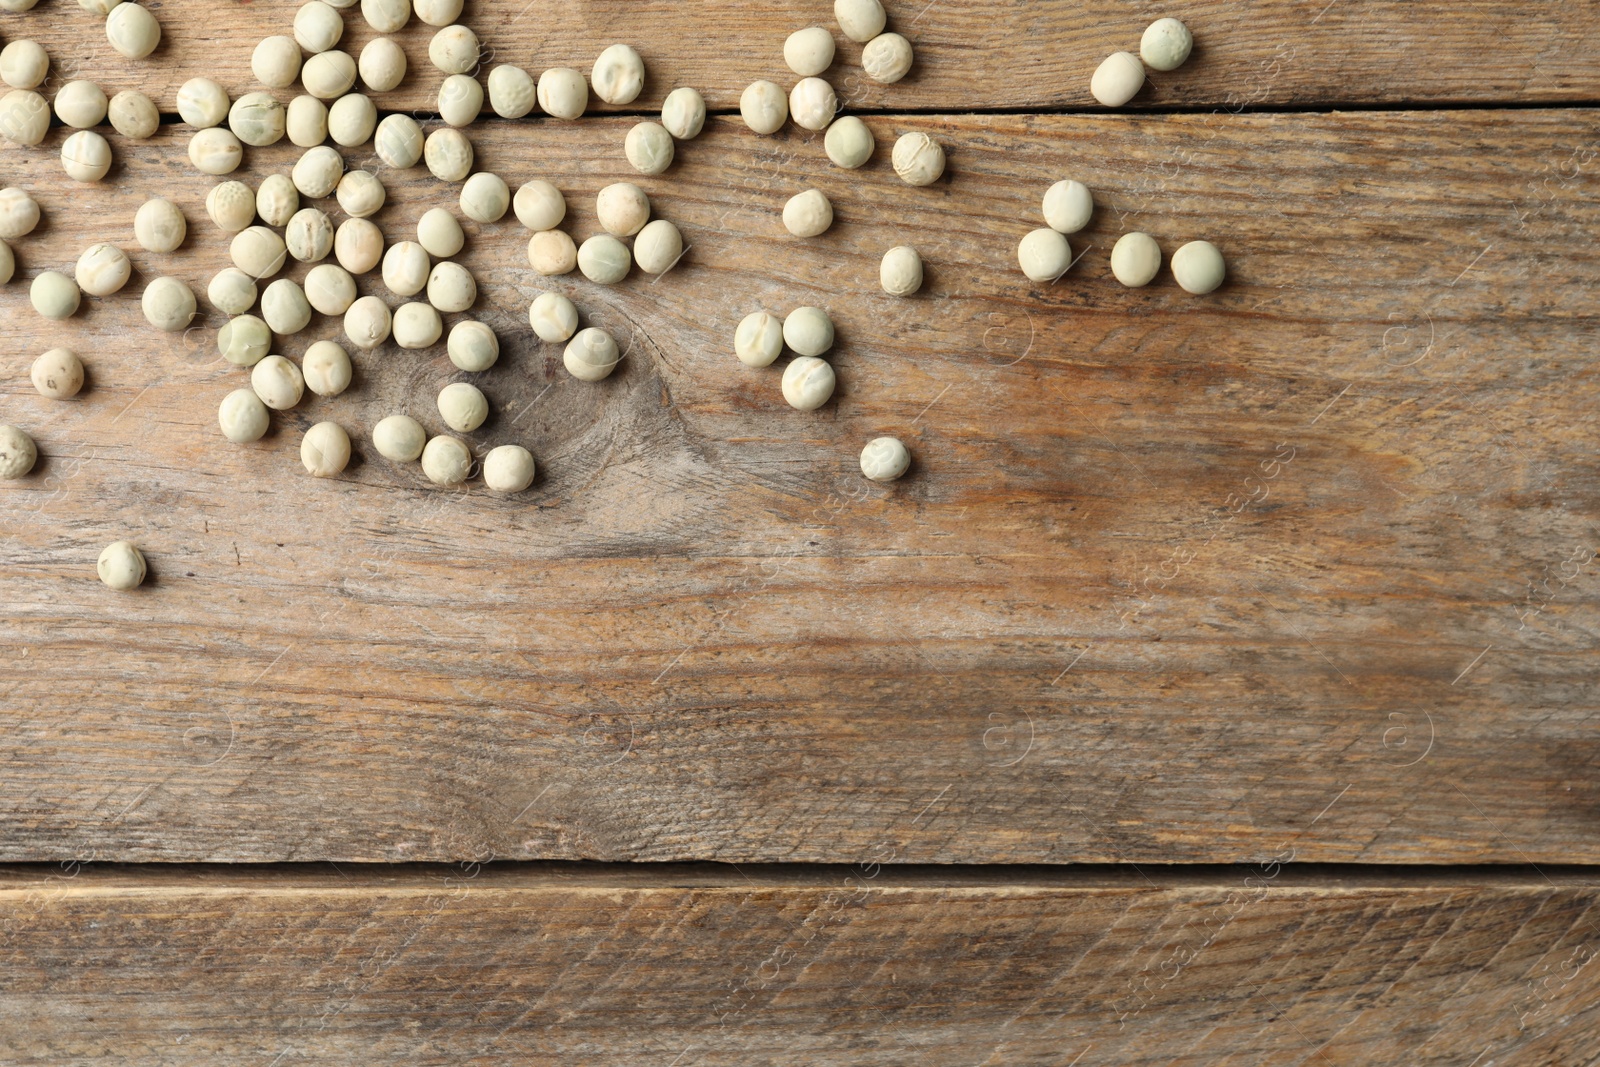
[(1303, 570)]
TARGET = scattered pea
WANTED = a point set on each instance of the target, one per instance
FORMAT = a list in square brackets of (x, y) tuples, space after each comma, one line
[(158, 226), (764, 107), (451, 288), (94, 7), (887, 58), (285, 308), (121, 565), (440, 233), (861, 20), (24, 117), (306, 121), (360, 193), (85, 156), (591, 355), (309, 235), (437, 12), (1135, 259), (885, 459), (1068, 206), (18, 453), (900, 274), (604, 260), (485, 198), (258, 119), (232, 291), (405, 268), (81, 104), (328, 75), (102, 270), (382, 65), (1117, 79), (812, 104), (57, 374), (539, 206), (472, 346), (326, 368), (202, 103), (463, 407), (317, 172), (808, 214), (317, 27), (1166, 44), (215, 151), (132, 30), (134, 115), (618, 75), (352, 119), (918, 159), (1198, 267), (552, 252), (460, 100), (808, 331), (168, 304), (277, 382), (398, 141), (242, 417), (448, 154), (563, 94), (387, 16), (54, 295), (758, 342), (649, 148), (24, 64), (325, 449), (446, 460), (1044, 255), (508, 469), (232, 206), (368, 322), (554, 318), (809, 51), (683, 113), (512, 92), (358, 245), (399, 438), (330, 289), (244, 340), (258, 251), (417, 325), (808, 383), (658, 247), (454, 50), (622, 208), (276, 62)]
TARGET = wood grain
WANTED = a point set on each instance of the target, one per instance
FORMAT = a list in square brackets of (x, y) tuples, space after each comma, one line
[(999, 54), (482, 966), (1304, 568)]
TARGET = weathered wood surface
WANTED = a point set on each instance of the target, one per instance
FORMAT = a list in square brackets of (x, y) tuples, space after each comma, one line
[(1303, 568), (479, 966), (970, 53)]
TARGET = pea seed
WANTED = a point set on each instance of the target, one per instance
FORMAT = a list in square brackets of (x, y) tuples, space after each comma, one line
[(485, 198), (368, 322), (440, 233), (285, 308), (1044, 255), (683, 113), (19, 214), (508, 469), (1198, 267), (18, 453), (451, 288), (460, 100), (102, 270), (54, 295), (328, 75), (202, 103), (276, 62), (472, 346), (887, 58), (57, 374), (85, 156), (258, 251), (24, 117), (1068, 206), (399, 438), (512, 92), (1118, 78), (258, 119), (604, 260), (244, 340), (134, 115), (553, 317), (448, 154), (158, 226), (463, 407), (808, 331), (387, 16), (352, 119), (758, 341), (618, 75), (809, 51), (231, 205), (306, 121), (330, 289), (416, 325), (649, 148), (552, 252), (885, 459), (446, 460), (168, 304), (215, 150), (808, 383), (437, 12), (317, 172), (94, 7), (399, 141), (1135, 259), (81, 104), (454, 50), (563, 94), (358, 245), (918, 159), (121, 565), (539, 206), (861, 20), (900, 274), (277, 382), (232, 291), (812, 104), (360, 193), (132, 30), (317, 27), (326, 369), (658, 247), (325, 450), (24, 64), (382, 65), (623, 209), (764, 107), (405, 268), (1166, 44), (592, 355), (243, 417), (809, 214)]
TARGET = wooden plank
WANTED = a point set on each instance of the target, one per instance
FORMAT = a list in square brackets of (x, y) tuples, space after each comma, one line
[(479, 966), (974, 54), (1304, 568)]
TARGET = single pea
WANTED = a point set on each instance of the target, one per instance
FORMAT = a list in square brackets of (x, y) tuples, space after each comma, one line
[(604, 260), (24, 117), (552, 253), (232, 206), (485, 198), (562, 93), (812, 104), (683, 113), (809, 51), (19, 213), (1135, 259), (330, 289), (539, 206), (460, 100), (512, 92), (437, 12), (1166, 44), (658, 247), (358, 245), (382, 65), (329, 75), (1044, 255), (242, 417), (861, 20), (885, 459), (168, 304), (24, 64), (808, 383), (368, 322), (258, 251), (325, 450), (451, 287), (387, 16), (622, 208), (918, 159), (591, 355), (1068, 206), (317, 27), (446, 460), (158, 226), (1118, 78), (305, 121), (232, 291), (326, 368), (57, 374), (508, 469), (276, 201), (448, 154), (134, 115), (398, 141), (277, 382), (85, 156), (417, 325), (258, 119), (276, 62), (18, 453), (352, 120), (202, 103), (553, 317), (309, 235), (809, 214), (618, 75), (440, 233), (81, 104), (758, 341), (649, 148), (406, 268), (94, 7), (215, 151), (463, 407), (285, 308), (764, 107), (54, 295), (102, 270), (900, 273), (121, 565), (132, 30), (244, 340), (472, 346), (887, 58), (454, 50), (1198, 267), (399, 438), (808, 331), (360, 193)]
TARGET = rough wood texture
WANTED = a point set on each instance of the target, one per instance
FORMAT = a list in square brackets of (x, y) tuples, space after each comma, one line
[(477, 966), (1306, 567), (970, 53)]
